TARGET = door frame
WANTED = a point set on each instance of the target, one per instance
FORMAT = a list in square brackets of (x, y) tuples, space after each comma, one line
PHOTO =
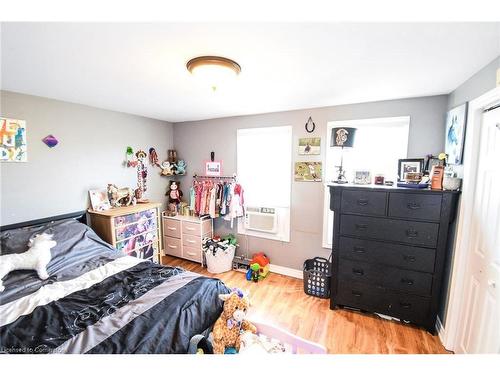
[(450, 337)]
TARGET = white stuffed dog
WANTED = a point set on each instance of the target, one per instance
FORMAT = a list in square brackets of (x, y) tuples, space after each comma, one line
[(36, 258)]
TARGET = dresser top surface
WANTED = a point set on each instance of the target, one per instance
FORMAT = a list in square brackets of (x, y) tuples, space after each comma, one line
[(118, 211), (394, 188), (194, 219)]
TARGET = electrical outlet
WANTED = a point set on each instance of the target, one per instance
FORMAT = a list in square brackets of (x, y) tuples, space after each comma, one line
[(498, 77)]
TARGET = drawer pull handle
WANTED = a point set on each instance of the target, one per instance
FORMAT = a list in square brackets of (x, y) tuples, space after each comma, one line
[(405, 305), (172, 246), (359, 249), (410, 258), (190, 228), (362, 202), (192, 254), (361, 226), (407, 281), (413, 206), (411, 233), (191, 241), (171, 228), (356, 294), (358, 271)]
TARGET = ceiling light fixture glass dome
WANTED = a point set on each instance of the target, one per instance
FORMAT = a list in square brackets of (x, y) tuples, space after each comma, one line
[(213, 70)]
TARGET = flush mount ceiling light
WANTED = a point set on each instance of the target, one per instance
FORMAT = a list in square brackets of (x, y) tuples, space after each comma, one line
[(214, 70)]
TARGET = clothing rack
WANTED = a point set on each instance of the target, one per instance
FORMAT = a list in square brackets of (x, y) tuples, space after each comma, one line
[(197, 177)]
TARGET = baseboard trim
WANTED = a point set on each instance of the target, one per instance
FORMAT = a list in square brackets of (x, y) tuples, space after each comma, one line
[(441, 332), (286, 271)]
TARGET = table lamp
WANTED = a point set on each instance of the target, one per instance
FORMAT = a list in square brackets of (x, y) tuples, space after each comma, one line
[(342, 137)]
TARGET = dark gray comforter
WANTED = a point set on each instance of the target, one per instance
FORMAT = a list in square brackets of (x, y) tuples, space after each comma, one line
[(97, 300)]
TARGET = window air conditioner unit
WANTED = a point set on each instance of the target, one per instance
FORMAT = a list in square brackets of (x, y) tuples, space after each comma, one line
[(262, 219)]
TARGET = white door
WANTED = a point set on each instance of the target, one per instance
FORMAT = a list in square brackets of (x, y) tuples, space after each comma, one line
[(479, 331)]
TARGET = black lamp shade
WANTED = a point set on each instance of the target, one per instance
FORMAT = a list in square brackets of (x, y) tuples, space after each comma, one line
[(342, 137)]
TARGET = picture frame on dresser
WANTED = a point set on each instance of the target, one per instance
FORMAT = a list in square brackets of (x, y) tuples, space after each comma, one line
[(390, 249), (414, 165)]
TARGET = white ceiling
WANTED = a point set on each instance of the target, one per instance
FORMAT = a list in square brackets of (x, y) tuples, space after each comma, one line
[(140, 68)]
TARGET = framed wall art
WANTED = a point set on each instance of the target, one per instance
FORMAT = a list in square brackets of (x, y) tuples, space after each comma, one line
[(456, 120), (213, 168), (308, 171), (13, 146), (310, 146)]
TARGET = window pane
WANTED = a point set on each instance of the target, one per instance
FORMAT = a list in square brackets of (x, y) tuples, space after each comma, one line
[(378, 145), (264, 165)]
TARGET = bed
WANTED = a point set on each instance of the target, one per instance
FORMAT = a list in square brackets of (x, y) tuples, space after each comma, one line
[(98, 300)]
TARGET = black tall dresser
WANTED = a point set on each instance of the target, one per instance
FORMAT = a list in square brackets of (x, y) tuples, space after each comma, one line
[(389, 250)]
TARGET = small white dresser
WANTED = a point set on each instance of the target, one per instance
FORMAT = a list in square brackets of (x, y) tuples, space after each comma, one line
[(183, 235)]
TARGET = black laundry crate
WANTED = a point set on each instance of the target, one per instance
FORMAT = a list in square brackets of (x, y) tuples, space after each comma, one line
[(317, 276)]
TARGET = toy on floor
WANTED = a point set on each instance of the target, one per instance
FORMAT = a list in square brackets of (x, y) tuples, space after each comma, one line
[(37, 257), (263, 261), (227, 328), (253, 272)]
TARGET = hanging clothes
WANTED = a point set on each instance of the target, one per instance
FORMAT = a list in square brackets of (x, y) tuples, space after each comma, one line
[(217, 199)]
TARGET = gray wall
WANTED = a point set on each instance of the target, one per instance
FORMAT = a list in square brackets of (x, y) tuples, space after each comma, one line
[(89, 155), (481, 82), (195, 140)]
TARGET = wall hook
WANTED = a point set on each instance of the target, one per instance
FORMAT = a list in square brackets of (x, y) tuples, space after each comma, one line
[(310, 123)]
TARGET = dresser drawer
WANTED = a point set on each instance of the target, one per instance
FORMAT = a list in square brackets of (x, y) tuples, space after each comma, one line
[(363, 202), (409, 232), (134, 217), (386, 276), (173, 246), (191, 241), (415, 206), (380, 300), (361, 296), (172, 228), (413, 258), (407, 307), (134, 243), (190, 228), (130, 230), (191, 253)]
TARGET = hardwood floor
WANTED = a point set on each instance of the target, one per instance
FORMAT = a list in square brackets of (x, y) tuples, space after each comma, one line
[(281, 300)]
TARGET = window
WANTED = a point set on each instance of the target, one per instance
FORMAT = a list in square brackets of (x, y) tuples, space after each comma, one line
[(264, 167), (378, 145)]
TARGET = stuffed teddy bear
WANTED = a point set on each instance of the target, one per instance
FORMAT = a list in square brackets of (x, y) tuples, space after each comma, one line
[(37, 257), (227, 328)]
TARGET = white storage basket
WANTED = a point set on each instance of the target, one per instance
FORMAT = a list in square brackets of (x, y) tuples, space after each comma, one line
[(222, 261)]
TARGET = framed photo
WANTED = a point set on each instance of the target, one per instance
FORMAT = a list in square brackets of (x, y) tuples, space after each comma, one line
[(213, 168), (308, 171), (409, 166), (362, 177), (310, 146), (432, 161), (455, 133), (99, 199), (13, 145)]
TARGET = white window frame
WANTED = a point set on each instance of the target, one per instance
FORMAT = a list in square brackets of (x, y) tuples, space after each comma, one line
[(283, 213), (326, 242)]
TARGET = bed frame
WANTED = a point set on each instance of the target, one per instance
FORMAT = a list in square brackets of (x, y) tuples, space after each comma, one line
[(80, 216)]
